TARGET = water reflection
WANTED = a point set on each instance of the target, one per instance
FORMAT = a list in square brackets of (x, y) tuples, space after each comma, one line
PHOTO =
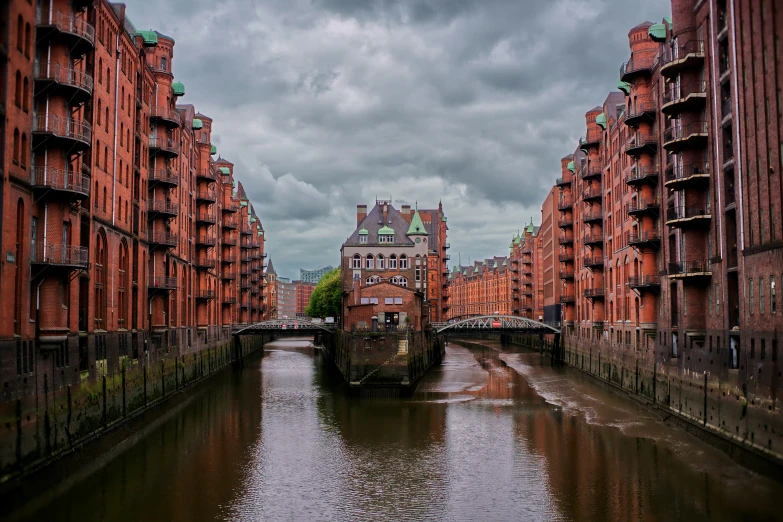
[(487, 436)]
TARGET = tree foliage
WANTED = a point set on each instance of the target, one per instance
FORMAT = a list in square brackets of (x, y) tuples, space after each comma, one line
[(326, 300)]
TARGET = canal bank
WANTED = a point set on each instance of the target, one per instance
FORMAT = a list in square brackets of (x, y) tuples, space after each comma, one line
[(485, 436), (56, 433), (746, 426)]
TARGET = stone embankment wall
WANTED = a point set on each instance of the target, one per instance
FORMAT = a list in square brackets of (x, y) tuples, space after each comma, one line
[(745, 424), (38, 429), (383, 359)]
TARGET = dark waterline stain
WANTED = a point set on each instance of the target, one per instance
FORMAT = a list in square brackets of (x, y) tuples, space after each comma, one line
[(487, 436)]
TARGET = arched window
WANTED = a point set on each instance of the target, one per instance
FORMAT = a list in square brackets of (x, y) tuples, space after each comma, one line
[(18, 90), (369, 261), (108, 80), (26, 94), (23, 151), (98, 155), (399, 280), (16, 146), (20, 33), (379, 262), (104, 199), (106, 120), (393, 262), (357, 261), (100, 70), (100, 107), (28, 40), (403, 262)]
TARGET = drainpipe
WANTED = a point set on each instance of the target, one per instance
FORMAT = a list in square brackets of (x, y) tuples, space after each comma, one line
[(114, 150), (735, 125)]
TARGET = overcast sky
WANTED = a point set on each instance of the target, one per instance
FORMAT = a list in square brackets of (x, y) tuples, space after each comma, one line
[(326, 104)]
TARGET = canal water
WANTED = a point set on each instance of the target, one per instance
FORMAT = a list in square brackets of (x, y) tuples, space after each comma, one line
[(490, 434)]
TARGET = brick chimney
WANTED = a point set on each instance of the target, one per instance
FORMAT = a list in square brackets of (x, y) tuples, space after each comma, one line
[(406, 212), (361, 213)]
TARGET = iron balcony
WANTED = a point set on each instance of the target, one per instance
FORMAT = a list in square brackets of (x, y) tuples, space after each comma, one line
[(566, 274), (593, 240), (564, 203), (567, 298), (688, 136), (230, 223), (205, 264), (160, 238), (229, 241), (645, 282), (597, 292), (688, 216), (590, 172), (690, 96), (641, 109), (170, 117), (595, 216), (566, 258), (699, 268), (162, 283), (64, 132), (679, 58), (229, 300), (205, 195), (205, 294), (594, 262), (567, 222), (642, 175), (644, 239), (641, 142), (205, 217), (228, 260), (642, 206), (232, 207), (164, 176), (688, 175), (566, 240), (51, 77), (207, 174), (562, 182), (72, 184), (161, 207), (590, 141), (205, 241), (163, 146), (75, 32), (228, 275), (641, 63), (58, 255), (592, 194)]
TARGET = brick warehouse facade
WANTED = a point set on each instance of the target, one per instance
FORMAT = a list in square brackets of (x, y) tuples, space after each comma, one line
[(670, 237), (304, 290), (124, 241)]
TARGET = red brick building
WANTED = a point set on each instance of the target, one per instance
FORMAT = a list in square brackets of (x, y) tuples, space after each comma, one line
[(303, 292), (404, 248), (112, 204), (482, 288)]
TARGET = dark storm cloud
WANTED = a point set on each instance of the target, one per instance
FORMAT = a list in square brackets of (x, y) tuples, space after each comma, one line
[(323, 104)]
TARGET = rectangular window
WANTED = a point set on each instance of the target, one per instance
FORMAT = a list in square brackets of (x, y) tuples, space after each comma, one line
[(418, 273), (750, 296), (761, 295), (398, 300), (362, 239), (373, 300), (388, 300), (365, 300)]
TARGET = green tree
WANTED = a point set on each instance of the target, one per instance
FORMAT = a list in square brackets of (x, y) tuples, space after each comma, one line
[(326, 300)]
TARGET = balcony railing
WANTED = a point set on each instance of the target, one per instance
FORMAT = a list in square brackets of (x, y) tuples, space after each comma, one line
[(645, 238), (562, 182), (57, 254), (641, 62), (206, 217), (640, 108), (205, 263), (566, 240), (567, 298), (60, 180), (167, 176), (205, 294), (205, 194), (680, 57), (591, 171), (207, 174), (644, 281), (66, 23), (698, 267), (592, 239), (565, 222), (161, 237), (594, 216), (639, 141), (642, 174), (693, 212), (205, 240), (642, 205), (593, 292), (592, 193), (564, 203), (566, 274), (688, 96), (594, 262), (164, 145), (159, 206), (692, 172), (229, 300), (162, 283), (165, 114), (54, 72), (66, 128), (566, 258)]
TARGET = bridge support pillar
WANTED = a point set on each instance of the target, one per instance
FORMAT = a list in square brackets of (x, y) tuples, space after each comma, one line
[(557, 356)]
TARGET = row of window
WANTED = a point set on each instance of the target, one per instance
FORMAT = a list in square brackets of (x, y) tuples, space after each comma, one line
[(381, 239), (386, 300), (396, 280), (773, 305), (379, 262)]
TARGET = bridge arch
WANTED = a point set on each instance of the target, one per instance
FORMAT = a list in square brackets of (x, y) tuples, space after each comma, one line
[(496, 323)]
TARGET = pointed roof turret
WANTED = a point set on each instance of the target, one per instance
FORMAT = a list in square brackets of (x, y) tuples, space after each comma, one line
[(269, 268), (417, 226), (530, 227)]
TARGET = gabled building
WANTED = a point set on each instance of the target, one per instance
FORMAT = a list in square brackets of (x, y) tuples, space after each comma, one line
[(393, 247)]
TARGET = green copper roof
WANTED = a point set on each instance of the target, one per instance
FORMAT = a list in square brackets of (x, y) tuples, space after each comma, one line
[(624, 86), (417, 226), (657, 32), (668, 19), (213, 151), (530, 227), (504, 263), (243, 203), (386, 231), (475, 271), (571, 166), (363, 232), (517, 240), (150, 38), (601, 120), (178, 88), (260, 233), (225, 171), (252, 219), (445, 219), (197, 123)]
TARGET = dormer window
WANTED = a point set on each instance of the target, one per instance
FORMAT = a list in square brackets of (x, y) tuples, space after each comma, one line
[(385, 239), (386, 235), (362, 239)]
